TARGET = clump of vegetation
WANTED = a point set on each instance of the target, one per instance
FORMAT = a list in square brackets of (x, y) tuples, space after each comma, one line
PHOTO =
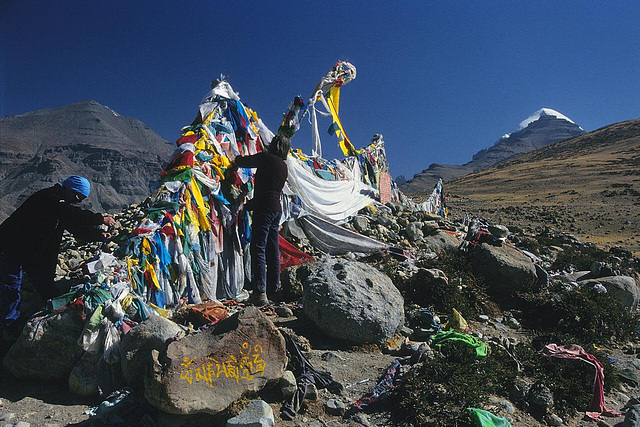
[(578, 258), (581, 316), (573, 256), (570, 381), (438, 391), (464, 291)]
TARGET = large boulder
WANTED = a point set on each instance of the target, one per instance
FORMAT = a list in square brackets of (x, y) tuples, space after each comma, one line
[(622, 288), (208, 371), (136, 346), (291, 281), (83, 379), (441, 241), (47, 348), (414, 231), (257, 414), (352, 301), (504, 268)]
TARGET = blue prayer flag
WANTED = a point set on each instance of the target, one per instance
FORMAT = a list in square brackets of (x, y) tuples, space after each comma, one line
[(333, 129)]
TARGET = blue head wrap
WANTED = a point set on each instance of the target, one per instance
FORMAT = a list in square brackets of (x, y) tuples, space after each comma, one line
[(79, 184)]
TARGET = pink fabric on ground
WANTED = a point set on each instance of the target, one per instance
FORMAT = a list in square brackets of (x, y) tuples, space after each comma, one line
[(575, 352)]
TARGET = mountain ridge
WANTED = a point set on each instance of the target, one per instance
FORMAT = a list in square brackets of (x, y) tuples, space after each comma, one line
[(120, 155), (545, 130), (588, 184)]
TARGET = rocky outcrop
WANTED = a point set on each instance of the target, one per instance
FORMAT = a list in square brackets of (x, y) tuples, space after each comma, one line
[(257, 414), (136, 346), (121, 156), (206, 372), (546, 130), (504, 268), (622, 288), (47, 348), (352, 301), (291, 281), (441, 241)]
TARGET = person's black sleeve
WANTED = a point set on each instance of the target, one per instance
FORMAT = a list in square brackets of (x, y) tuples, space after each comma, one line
[(248, 161), (82, 223), (86, 233)]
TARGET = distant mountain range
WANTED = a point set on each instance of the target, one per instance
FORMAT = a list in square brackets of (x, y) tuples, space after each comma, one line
[(121, 156), (588, 185), (542, 128)]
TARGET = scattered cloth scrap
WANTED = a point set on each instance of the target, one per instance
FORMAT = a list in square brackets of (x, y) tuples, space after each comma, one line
[(446, 337), (484, 418), (335, 240), (380, 390), (208, 312), (290, 255), (306, 375), (597, 406), (456, 323)]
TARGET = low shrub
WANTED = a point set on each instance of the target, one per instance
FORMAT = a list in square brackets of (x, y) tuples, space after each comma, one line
[(464, 291), (438, 391), (582, 316)]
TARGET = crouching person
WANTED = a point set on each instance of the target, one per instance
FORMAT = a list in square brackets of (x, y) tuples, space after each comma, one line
[(30, 243)]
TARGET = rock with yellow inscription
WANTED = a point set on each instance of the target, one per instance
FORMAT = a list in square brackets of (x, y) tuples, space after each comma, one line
[(208, 371), (136, 346)]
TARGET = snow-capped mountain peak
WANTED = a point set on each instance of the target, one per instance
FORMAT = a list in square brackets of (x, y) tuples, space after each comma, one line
[(543, 112)]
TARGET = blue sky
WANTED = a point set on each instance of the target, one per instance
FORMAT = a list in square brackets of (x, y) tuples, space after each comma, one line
[(440, 79)]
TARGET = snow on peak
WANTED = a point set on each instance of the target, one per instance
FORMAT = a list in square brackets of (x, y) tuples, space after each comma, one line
[(505, 136), (543, 112), (114, 113)]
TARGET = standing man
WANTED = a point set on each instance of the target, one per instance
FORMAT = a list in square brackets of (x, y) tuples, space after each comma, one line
[(30, 242), (265, 240)]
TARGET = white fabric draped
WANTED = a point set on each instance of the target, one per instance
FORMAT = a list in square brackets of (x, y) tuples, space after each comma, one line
[(330, 200)]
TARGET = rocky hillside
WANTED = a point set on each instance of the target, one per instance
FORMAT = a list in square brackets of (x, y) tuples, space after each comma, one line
[(466, 315), (544, 127), (121, 156), (588, 185)]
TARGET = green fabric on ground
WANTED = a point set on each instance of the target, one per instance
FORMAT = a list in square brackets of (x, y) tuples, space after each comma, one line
[(61, 301), (484, 418), (445, 337)]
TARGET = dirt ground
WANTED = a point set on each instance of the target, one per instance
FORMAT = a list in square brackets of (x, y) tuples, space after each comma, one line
[(50, 404), (587, 189)]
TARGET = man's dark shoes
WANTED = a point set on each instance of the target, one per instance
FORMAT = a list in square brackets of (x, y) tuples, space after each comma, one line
[(258, 299)]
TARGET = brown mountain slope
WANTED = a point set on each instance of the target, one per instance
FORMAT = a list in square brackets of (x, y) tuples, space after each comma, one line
[(588, 185), (121, 156)]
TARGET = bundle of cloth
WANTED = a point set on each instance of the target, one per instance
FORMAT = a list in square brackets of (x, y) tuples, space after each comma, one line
[(194, 238)]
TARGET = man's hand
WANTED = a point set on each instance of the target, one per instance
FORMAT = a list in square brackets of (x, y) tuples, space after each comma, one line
[(106, 236), (109, 221)]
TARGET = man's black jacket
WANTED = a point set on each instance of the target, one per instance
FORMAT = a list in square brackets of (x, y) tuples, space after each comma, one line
[(31, 236)]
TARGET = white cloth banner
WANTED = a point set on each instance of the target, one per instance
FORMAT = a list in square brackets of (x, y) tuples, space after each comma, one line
[(330, 200), (335, 240)]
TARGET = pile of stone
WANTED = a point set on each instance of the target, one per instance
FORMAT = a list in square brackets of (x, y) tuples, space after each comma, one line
[(403, 226), (75, 254)]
